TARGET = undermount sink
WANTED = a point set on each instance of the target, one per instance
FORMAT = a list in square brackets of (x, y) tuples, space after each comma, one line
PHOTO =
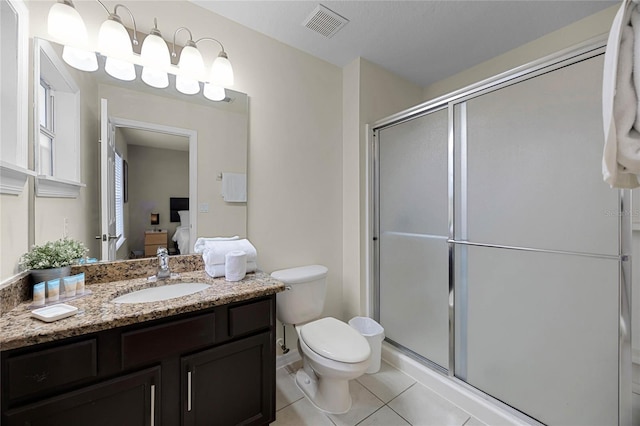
[(165, 292)]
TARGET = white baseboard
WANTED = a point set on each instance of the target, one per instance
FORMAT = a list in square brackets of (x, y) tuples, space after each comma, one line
[(288, 358), (482, 409)]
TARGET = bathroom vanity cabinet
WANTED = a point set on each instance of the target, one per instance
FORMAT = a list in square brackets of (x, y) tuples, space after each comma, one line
[(211, 367)]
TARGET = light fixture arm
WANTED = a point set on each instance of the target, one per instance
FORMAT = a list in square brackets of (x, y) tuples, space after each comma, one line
[(223, 53), (190, 42), (114, 16)]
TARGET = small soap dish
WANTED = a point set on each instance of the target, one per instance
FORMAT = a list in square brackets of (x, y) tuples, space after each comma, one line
[(54, 312)]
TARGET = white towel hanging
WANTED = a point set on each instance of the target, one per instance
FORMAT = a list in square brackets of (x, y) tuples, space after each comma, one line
[(234, 187), (620, 102)]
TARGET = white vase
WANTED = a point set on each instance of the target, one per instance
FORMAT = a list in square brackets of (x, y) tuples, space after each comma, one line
[(40, 275)]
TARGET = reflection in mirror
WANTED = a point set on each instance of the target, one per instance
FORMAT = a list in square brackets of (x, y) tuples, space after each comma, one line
[(157, 145)]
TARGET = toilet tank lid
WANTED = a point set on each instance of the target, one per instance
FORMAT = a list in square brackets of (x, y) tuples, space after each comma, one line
[(300, 274)]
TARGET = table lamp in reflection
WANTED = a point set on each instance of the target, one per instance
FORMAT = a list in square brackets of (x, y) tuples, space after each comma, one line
[(155, 220)]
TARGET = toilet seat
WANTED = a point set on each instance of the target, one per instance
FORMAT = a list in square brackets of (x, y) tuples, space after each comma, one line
[(335, 340)]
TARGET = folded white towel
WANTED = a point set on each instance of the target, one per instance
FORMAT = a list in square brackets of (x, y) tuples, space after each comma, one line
[(215, 251), (235, 265), (621, 157), (202, 242), (216, 271)]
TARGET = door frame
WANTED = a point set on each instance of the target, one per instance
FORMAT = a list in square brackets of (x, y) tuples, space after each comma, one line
[(192, 135)]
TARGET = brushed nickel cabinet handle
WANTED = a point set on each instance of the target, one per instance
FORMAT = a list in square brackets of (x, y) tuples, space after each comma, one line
[(153, 405), (188, 390)]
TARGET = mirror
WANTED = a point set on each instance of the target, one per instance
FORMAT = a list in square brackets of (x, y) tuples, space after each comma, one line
[(168, 146)]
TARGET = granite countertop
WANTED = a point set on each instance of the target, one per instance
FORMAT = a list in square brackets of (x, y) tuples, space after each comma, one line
[(97, 312)]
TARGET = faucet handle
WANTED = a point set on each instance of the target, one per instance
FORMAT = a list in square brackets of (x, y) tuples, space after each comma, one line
[(162, 251)]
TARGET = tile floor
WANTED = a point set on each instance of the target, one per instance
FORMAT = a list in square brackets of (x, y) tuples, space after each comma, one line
[(387, 398)]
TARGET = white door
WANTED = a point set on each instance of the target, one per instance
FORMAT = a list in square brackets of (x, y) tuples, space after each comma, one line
[(107, 184)]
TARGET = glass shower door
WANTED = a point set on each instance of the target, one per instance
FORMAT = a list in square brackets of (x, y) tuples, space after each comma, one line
[(413, 231), (537, 249)]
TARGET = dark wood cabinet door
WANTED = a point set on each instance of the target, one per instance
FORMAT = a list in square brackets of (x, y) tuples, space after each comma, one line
[(131, 400), (230, 384)]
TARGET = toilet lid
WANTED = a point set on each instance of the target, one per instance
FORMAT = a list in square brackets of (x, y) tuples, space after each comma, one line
[(301, 274), (335, 340)]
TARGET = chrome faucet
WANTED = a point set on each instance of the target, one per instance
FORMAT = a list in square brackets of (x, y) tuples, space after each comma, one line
[(163, 263)]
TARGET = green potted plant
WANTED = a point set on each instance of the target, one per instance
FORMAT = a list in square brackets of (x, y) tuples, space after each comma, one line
[(53, 259)]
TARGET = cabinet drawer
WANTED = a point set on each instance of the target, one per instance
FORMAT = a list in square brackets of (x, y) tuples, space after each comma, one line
[(154, 343), (250, 317), (43, 370), (153, 250), (155, 238)]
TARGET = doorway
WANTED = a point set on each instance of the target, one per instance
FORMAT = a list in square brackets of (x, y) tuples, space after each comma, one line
[(157, 163)]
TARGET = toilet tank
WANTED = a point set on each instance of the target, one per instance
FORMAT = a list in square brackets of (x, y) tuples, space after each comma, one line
[(304, 301)]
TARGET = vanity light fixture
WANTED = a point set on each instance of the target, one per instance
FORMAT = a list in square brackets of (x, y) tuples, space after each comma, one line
[(66, 25), (191, 62), (155, 58), (115, 44)]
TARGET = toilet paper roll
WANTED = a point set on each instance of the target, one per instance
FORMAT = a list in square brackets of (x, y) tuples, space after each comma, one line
[(235, 265)]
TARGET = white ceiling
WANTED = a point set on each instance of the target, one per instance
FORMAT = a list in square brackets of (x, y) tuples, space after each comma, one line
[(422, 41)]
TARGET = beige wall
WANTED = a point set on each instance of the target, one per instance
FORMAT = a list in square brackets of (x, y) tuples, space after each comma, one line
[(155, 175), (370, 93)]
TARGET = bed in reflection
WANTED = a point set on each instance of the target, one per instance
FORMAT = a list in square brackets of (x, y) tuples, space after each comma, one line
[(179, 211)]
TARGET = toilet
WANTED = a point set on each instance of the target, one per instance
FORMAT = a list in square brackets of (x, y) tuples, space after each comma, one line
[(332, 352)]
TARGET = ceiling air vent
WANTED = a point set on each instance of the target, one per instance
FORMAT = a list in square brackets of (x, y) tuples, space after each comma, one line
[(325, 21)]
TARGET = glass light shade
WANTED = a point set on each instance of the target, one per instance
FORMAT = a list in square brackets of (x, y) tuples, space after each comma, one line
[(66, 25), (221, 72), (122, 70), (191, 62), (155, 53), (80, 58), (213, 92), (186, 85), (155, 78), (192, 67), (113, 40)]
